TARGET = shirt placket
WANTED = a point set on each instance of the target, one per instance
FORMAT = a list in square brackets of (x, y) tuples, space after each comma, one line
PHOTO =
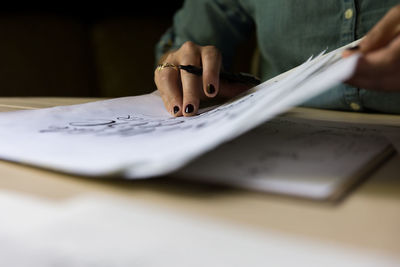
[(348, 33)]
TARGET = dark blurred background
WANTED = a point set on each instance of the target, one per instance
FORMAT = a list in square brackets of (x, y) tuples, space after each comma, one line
[(67, 49), (76, 49)]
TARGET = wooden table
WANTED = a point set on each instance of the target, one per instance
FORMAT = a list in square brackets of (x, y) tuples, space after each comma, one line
[(367, 219)]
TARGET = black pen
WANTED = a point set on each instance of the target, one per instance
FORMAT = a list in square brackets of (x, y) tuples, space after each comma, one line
[(223, 75)]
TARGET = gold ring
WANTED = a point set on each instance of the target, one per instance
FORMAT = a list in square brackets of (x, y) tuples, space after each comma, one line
[(166, 65)]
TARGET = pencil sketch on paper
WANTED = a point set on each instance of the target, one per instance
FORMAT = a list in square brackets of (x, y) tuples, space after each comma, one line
[(139, 124)]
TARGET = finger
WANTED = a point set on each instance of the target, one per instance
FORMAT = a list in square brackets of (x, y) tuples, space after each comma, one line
[(383, 32), (191, 87), (381, 61), (191, 83), (387, 56), (168, 83), (211, 61), (364, 82), (379, 70), (385, 83), (365, 75)]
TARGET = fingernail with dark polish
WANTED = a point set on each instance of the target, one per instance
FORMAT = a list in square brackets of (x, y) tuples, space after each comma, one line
[(356, 47), (210, 88), (189, 108), (176, 109)]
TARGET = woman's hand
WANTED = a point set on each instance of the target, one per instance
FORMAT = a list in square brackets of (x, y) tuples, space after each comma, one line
[(182, 91), (379, 66)]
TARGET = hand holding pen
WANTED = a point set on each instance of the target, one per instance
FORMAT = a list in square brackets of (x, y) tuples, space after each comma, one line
[(193, 73)]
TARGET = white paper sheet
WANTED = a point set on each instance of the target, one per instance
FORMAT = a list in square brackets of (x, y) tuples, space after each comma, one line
[(305, 158), (98, 231), (136, 137)]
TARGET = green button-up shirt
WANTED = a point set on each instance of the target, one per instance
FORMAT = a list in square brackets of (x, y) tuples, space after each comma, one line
[(288, 32)]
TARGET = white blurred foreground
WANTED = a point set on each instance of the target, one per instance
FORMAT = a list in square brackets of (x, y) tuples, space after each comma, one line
[(101, 231)]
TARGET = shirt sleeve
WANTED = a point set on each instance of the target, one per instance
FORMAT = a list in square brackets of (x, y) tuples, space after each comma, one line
[(222, 23)]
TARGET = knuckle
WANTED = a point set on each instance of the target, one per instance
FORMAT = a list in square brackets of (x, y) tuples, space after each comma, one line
[(170, 57), (167, 56), (211, 48), (188, 46)]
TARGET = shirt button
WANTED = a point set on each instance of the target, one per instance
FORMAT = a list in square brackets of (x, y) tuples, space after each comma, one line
[(354, 106), (348, 14)]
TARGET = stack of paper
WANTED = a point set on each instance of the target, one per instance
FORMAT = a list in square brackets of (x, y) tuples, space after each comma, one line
[(136, 138), (305, 158)]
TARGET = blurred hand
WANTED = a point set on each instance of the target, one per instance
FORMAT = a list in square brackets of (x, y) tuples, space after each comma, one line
[(182, 91), (379, 66)]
